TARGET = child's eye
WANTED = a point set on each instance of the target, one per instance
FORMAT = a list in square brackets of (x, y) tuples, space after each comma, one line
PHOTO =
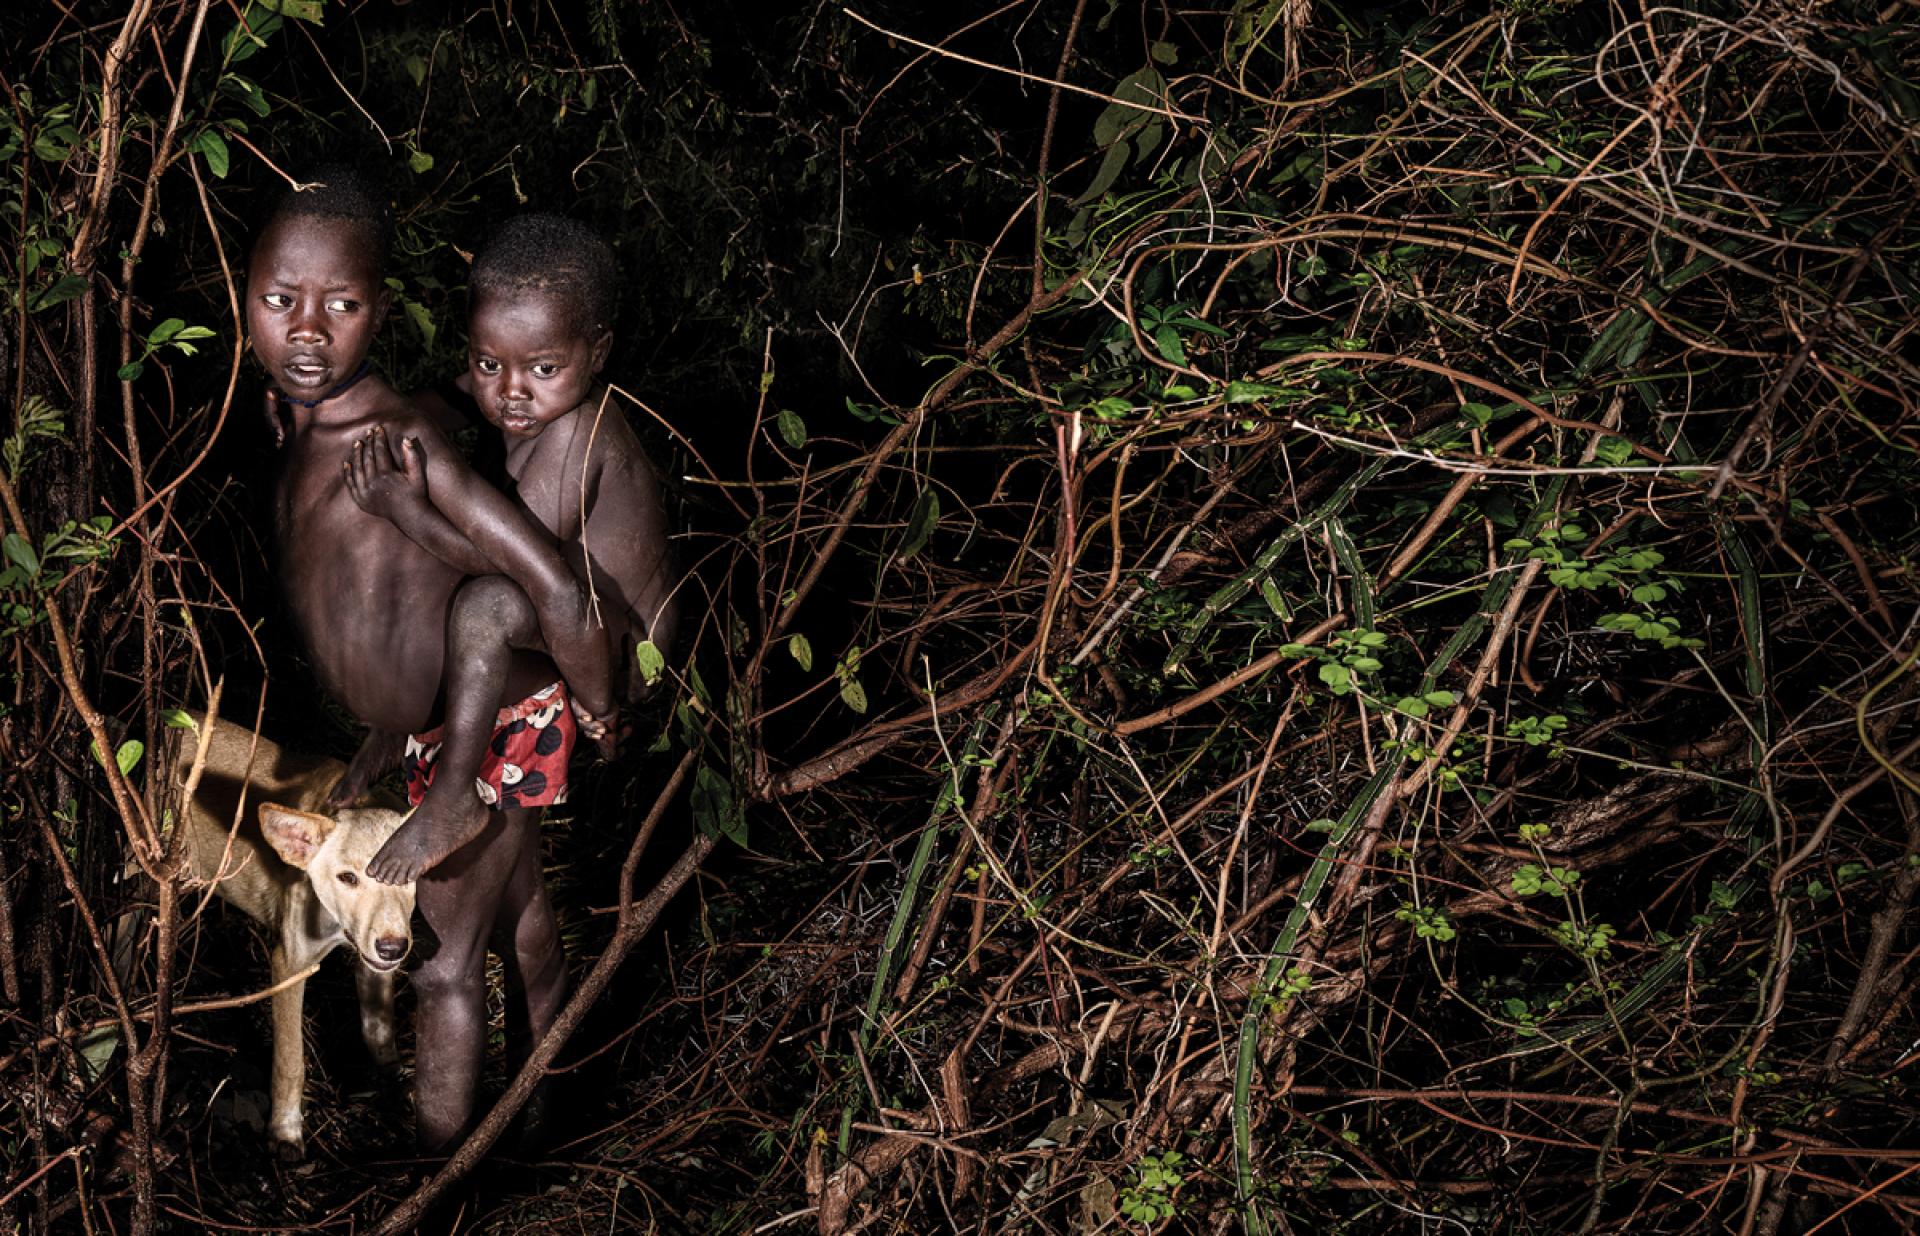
[(487, 365), (341, 304), (277, 300), (545, 369)]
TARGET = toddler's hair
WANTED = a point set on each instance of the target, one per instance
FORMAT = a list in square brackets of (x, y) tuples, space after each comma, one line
[(551, 253), (343, 191)]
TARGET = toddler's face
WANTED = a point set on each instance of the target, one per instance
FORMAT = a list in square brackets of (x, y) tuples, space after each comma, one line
[(530, 361), (314, 302)]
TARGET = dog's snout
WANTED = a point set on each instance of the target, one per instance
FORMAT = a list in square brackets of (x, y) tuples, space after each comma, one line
[(390, 948)]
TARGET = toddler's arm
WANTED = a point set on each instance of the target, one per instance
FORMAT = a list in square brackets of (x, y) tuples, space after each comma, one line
[(396, 491), (440, 503)]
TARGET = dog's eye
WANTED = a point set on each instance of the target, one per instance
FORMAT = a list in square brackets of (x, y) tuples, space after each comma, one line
[(349, 879)]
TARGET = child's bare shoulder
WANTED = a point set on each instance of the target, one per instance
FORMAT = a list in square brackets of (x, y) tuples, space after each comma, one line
[(405, 417), (617, 451)]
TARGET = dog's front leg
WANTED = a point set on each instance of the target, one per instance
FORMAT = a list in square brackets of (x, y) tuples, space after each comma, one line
[(376, 1014), (285, 1129)]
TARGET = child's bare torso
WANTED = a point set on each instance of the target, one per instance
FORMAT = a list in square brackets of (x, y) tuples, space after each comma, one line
[(371, 603), (587, 480)]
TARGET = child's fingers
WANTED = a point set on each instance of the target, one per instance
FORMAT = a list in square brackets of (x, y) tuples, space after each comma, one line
[(378, 461)]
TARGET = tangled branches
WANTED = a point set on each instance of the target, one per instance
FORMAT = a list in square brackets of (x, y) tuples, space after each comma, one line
[(1381, 767)]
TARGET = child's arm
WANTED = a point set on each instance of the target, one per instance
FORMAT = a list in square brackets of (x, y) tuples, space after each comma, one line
[(396, 491), (442, 505)]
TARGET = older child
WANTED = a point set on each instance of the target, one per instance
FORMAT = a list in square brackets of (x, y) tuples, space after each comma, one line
[(539, 332), (374, 608)]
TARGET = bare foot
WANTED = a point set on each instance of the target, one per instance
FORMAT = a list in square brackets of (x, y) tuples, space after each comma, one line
[(602, 731), (441, 824)]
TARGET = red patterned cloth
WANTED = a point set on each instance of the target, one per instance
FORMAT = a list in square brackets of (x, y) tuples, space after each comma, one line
[(525, 764)]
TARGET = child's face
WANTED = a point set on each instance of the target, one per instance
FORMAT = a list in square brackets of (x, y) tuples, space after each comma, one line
[(314, 302), (530, 360)]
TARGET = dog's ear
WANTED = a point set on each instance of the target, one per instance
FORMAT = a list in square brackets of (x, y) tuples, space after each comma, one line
[(294, 835)]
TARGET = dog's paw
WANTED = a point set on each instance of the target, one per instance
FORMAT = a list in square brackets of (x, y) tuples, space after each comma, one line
[(288, 1149)]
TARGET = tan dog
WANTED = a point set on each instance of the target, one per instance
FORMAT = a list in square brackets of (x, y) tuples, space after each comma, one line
[(313, 897)]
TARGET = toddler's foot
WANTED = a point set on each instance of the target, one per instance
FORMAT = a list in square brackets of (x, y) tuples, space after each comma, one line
[(602, 731), (441, 824)]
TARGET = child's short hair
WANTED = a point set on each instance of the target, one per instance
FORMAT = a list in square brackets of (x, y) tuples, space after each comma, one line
[(343, 191), (551, 253)]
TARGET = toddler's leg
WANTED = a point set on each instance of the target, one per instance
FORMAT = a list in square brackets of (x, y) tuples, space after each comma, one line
[(489, 619), (460, 900)]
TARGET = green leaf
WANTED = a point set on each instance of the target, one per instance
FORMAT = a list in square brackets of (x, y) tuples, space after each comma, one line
[(419, 161), (792, 428), (1613, 451), (650, 661), (924, 518), (715, 809), (299, 10), (97, 1049), (1167, 340), (247, 92), (871, 414), (1275, 599), (853, 694), (127, 758), (421, 319), (213, 148), (801, 651), (1250, 392), (131, 370), (1336, 676), (64, 289), (20, 552), (164, 331), (246, 39), (179, 719)]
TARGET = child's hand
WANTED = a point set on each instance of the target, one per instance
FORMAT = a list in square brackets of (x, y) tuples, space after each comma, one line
[(382, 483)]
